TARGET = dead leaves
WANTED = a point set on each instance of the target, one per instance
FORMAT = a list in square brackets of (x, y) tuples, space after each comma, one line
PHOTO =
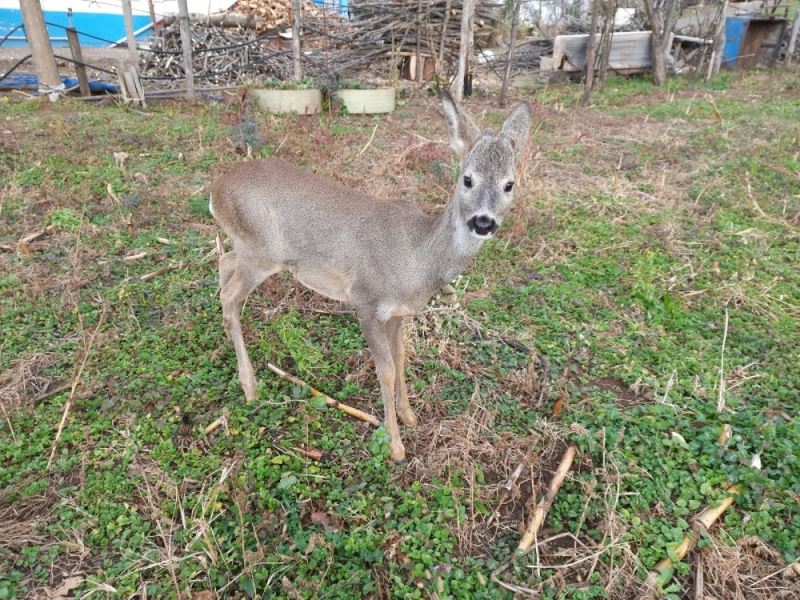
[(64, 590)]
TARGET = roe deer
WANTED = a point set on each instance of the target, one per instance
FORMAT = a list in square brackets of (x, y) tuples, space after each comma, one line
[(385, 257)]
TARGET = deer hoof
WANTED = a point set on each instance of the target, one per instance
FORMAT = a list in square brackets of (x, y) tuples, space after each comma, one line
[(408, 417), (398, 451)]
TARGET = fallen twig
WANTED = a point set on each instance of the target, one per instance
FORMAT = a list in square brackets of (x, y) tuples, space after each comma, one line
[(135, 256), (161, 271), (547, 500), (664, 568), (74, 386), (721, 397), (23, 242), (215, 424), (309, 452), (364, 149), (353, 412)]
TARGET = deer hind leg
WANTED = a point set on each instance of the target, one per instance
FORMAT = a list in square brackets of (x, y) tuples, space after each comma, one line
[(378, 339), (227, 266), (238, 279), (404, 411)]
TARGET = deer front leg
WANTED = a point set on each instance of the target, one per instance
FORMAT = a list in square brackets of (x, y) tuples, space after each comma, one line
[(379, 343), (238, 280), (404, 410)]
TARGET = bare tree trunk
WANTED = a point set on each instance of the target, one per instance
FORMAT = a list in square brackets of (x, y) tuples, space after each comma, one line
[(509, 56), (792, 39), (590, 55), (39, 41), (661, 27), (298, 69), (464, 49), (607, 38), (186, 46)]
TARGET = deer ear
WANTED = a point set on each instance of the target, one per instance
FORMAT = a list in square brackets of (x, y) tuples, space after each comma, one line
[(517, 127), (463, 132)]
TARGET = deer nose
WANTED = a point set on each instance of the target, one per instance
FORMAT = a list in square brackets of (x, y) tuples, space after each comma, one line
[(482, 224)]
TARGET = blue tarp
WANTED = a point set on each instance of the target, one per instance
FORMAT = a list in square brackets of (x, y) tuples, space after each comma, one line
[(29, 81)]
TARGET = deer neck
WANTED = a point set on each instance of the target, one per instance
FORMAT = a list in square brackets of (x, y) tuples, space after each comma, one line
[(451, 246)]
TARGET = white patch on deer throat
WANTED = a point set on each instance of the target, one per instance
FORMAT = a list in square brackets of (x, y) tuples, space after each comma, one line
[(211, 205), (388, 311)]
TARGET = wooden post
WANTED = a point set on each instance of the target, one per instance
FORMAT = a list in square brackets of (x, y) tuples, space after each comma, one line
[(792, 39), (464, 50), (590, 55), (296, 27), (38, 40), (153, 19), (186, 45), (418, 74), (127, 13), (509, 56), (77, 56), (440, 61)]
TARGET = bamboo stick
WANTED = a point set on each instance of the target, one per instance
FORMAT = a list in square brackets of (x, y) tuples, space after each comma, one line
[(664, 568), (74, 386), (353, 412), (547, 500)]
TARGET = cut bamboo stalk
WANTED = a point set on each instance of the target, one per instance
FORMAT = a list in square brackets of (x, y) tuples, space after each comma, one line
[(664, 568), (547, 500), (353, 412), (74, 386)]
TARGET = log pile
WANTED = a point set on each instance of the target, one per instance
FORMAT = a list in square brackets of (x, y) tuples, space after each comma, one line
[(406, 27), (220, 56), (273, 13), (377, 35)]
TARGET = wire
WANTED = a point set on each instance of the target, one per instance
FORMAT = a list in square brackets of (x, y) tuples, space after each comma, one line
[(84, 64), (255, 40), (14, 68), (8, 35)]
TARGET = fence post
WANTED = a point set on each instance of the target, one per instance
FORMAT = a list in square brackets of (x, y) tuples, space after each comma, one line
[(186, 44), (127, 13), (77, 56)]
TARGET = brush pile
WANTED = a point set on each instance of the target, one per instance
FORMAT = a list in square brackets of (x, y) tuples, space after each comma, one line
[(220, 56), (376, 35)]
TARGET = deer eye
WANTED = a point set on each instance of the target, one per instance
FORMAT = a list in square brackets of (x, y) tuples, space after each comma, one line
[(509, 186), (467, 181)]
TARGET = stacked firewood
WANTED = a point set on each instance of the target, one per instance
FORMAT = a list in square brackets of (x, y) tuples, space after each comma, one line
[(273, 13), (377, 37), (220, 56)]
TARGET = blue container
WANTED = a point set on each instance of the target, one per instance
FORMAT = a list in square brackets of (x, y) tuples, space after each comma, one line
[(735, 30)]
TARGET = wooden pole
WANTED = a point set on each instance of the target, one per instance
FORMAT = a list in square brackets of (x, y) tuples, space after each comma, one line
[(39, 42), (153, 19), (186, 45), (418, 74), (464, 49), (792, 39), (509, 56), (296, 26), (77, 56), (440, 60), (590, 55), (127, 13)]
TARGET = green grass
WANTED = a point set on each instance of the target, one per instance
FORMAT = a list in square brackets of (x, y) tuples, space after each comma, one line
[(642, 222)]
